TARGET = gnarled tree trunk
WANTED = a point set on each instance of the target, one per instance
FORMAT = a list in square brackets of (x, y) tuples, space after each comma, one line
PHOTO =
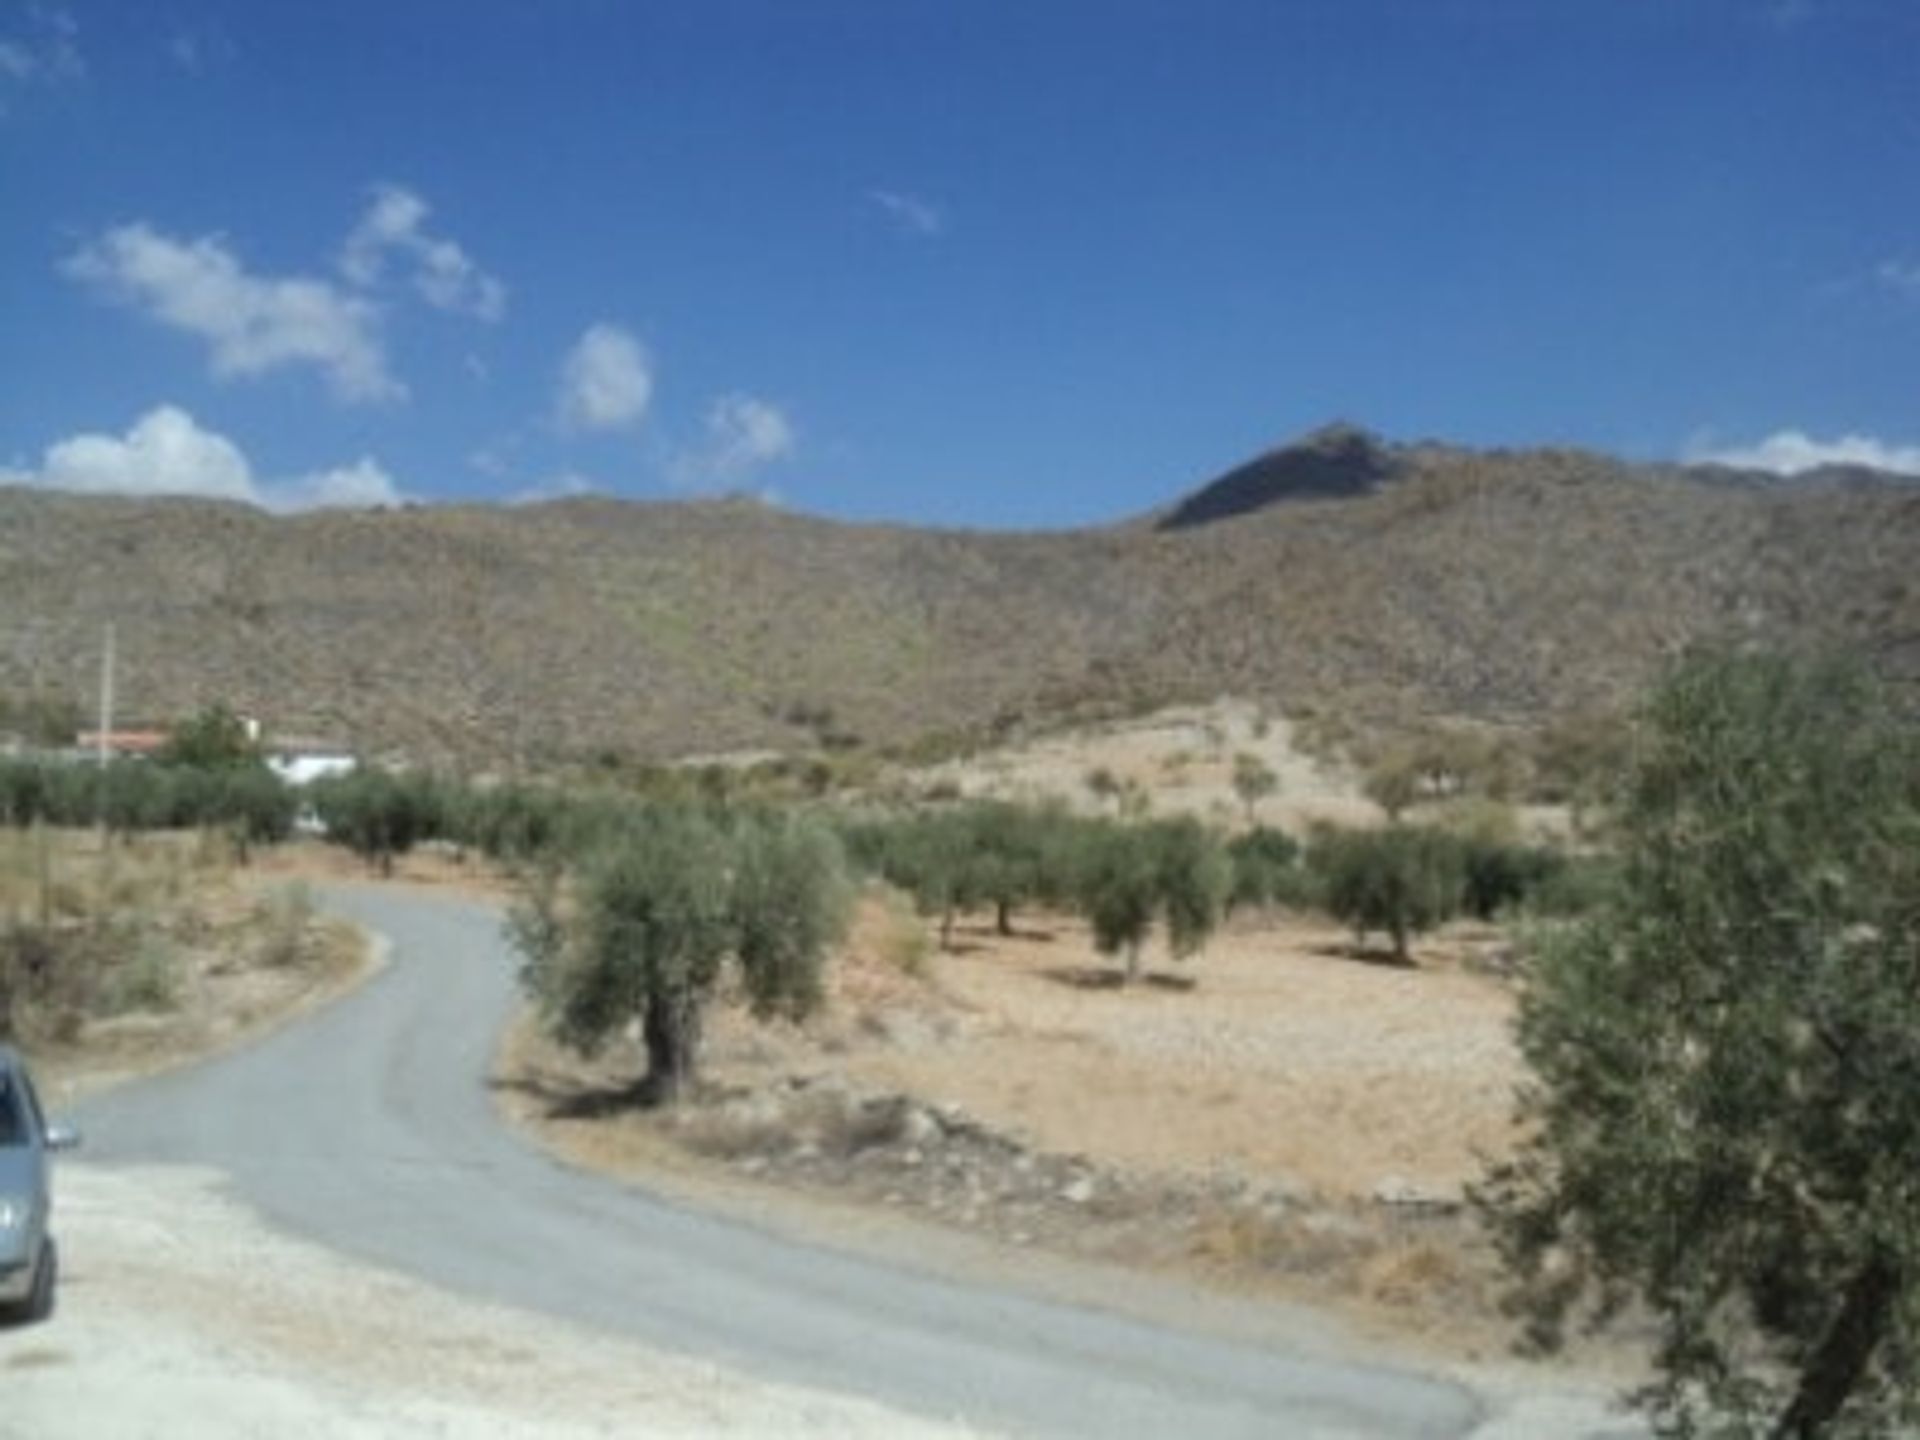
[(1844, 1354), (671, 1032)]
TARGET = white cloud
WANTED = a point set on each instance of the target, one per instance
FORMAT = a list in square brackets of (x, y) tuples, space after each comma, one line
[(166, 452), (359, 486), (1788, 452), (606, 381), (565, 486), (443, 274), (252, 324), (743, 434), (911, 213)]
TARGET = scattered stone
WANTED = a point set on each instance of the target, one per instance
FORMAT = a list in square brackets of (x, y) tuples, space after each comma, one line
[(918, 1126), (1077, 1191), (1399, 1193)]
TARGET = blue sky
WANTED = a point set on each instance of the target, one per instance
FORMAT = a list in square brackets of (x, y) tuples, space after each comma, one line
[(993, 264)]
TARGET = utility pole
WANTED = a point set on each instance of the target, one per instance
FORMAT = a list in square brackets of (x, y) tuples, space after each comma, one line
[(105, 737)]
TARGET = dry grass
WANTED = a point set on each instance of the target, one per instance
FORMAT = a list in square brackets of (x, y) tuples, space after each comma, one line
[(153, 949)]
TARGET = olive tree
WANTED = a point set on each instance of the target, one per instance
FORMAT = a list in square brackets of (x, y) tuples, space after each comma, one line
[(655, 916), (1173, 871), (378, 814), (211, 739), (1400, 881), (1722, 1123), (1253, 781)]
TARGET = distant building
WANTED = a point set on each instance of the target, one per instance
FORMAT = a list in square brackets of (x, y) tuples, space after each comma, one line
[(123, 744), (300, 761)]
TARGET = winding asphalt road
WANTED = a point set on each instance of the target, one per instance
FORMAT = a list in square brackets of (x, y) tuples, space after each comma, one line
[(368, 1127)]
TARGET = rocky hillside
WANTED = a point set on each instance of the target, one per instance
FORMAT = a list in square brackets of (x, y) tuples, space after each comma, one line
[(1339, 571)]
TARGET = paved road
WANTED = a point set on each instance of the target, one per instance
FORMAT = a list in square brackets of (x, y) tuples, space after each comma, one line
[(367, 1126)]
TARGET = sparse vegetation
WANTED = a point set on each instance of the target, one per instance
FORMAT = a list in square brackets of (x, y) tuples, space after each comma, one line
[(149, 925), (1253, 781)]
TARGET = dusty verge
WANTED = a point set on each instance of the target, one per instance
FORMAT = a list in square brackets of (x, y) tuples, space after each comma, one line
[(184, 1316)]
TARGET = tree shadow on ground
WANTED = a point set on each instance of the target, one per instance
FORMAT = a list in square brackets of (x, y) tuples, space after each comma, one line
[(1106, 977), (566, 1098), (988, 933), (1367, 955)]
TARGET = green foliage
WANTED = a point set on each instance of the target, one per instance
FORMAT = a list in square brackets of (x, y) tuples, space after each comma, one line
[(791, 902), (514, 823), (212, 739), (1576, 885), (1173, 871), (1253, 781), (133, 795), (1723, 1123), (1400, 881), (378, 814), (1497, 878), (658, 911), (1266, 869), (1118, 888), (986, 853)]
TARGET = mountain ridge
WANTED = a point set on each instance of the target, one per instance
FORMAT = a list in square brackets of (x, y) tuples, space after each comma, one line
[(1505, 585)]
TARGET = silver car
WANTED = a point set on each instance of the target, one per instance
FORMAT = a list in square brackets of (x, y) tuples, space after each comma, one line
[(29, 1264)]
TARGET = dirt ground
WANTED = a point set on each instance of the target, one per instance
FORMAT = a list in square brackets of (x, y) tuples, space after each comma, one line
[(1180, 758), (1282, 1112), (184, 1317), (1274, 1117), (1275, 1053)]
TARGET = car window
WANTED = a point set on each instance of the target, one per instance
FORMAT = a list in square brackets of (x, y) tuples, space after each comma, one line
[(13, 1125), (30, 1105)]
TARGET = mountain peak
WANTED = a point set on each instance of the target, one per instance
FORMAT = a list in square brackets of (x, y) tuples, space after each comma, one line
[(1335, 462)]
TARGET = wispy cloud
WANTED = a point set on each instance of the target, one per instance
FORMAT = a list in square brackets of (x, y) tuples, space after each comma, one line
[(167, 452), (252, 324), (1787, 14), (1788, 452), (910, 213), (743, 435), (199, 49), (606, 381), (39, 45), (442, 272), (1902, 276)]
